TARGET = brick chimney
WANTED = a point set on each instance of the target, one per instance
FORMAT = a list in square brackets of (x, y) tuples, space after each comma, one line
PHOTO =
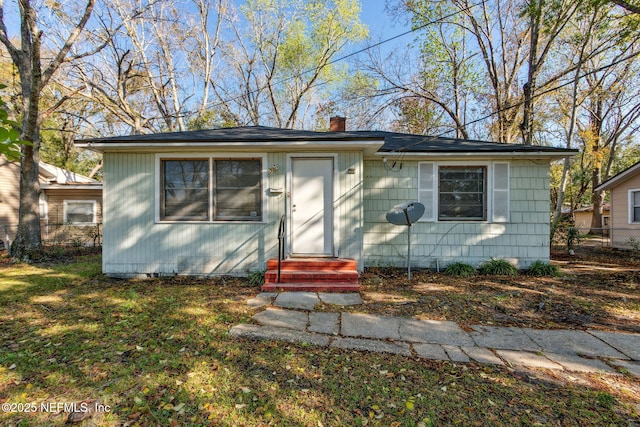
[(337, 124)]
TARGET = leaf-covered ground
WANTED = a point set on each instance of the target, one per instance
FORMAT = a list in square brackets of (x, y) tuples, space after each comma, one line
[(598, 289), (157, 352)]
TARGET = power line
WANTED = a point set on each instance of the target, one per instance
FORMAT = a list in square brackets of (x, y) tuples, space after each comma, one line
[(544, 92), (400, 154), (358, 52)]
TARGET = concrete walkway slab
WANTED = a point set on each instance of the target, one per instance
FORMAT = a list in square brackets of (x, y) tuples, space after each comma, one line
[(571, 342), (372, 345), (482, 355), (262, 299), (293, 320), (370, 326), (297, 300), (456, 354), (525, 358), (509, 338), (324, 323), (575, 363), (434, 332), (343, 300), (629, 344), (282, 319), (430, 351), (281, 334), (632, 367)]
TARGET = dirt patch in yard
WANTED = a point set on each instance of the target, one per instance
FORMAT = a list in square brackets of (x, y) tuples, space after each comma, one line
[(599, 288)]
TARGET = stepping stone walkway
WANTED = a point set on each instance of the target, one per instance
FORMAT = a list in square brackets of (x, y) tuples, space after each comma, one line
[(289, 316)]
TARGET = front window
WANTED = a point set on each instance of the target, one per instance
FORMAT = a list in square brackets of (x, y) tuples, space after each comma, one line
[(462, 193), (79, 212), (635, 206), (238, 189), (211, 189), (185, 190)]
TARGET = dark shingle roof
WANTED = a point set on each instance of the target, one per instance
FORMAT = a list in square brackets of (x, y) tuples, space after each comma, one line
[(393, 141)]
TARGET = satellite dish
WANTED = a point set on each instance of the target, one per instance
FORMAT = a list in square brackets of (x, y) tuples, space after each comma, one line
[(406, 214)]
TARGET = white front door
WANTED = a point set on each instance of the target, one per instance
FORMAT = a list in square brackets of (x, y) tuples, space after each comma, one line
[(311, 206)]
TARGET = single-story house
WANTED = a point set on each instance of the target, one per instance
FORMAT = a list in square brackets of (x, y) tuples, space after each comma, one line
[(69, 202), (210, 202), (624, 189), (582, 217)]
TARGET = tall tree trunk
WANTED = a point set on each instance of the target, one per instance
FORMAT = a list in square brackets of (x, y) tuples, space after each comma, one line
[(597, 197), (28, 60), (526, 127), (28, 241)]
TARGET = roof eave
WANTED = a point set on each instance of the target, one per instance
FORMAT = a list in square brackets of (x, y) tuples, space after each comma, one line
[(85, 186), (368, 146), (617, 179), (480, 155)]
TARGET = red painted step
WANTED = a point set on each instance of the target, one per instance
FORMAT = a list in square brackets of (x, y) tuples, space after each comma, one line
[(311, 287), (339, 264), (271, 276), (312, 274)]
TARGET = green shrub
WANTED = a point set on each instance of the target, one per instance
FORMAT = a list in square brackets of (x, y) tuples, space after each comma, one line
[(541, 268), (498, 267), (573, 238), (256, 278), (460, 269)]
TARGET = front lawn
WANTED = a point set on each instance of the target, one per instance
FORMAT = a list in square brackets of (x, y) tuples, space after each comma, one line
[(598, 288), (157, 352)]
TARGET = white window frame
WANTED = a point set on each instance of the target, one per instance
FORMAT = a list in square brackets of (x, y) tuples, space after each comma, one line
[(485, 193), (211, 158), (631, 205), (490, 190), (43, 205), (65, 208)]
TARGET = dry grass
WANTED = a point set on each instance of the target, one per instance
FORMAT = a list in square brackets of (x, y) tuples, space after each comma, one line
[(157, 352)]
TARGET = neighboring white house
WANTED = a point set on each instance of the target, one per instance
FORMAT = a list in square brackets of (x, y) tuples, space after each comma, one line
[(624, 189), (210, 202)]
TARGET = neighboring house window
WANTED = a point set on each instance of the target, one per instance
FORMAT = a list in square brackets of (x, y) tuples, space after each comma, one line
[(462, 193), (44, 209), (634, 206), (453, 192), (79, 212), (211, 189)]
